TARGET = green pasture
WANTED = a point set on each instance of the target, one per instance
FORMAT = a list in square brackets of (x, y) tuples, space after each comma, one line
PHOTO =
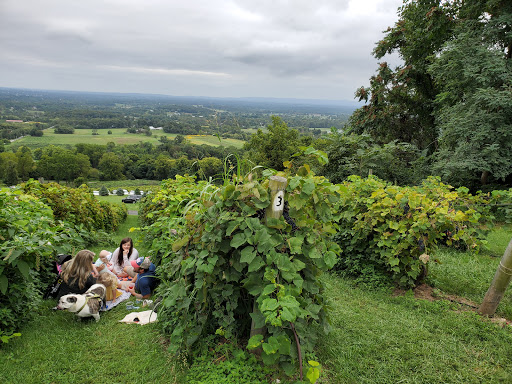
[(119, 136), (378, 335), (130, 185), (214, 141)]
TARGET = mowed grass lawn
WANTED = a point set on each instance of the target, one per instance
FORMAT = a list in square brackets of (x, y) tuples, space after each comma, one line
[(118, 136)]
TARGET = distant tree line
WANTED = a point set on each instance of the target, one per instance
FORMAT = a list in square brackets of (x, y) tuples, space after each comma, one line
[(113, 162), (11, 131)]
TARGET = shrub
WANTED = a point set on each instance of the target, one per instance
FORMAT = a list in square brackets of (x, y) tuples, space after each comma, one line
[(500, 204), (120, 192), (104, 191), (64, 130), (31, 236), (75, 205), (393, 230), (228, 266)]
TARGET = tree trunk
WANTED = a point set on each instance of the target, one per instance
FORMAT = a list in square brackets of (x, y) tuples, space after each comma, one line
[(484, 178), (499, 284)]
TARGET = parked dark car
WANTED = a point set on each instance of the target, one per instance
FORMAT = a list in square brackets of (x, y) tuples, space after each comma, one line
[(131, 199)]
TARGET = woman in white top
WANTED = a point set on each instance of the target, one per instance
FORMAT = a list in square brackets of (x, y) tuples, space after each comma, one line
[(121, 258)]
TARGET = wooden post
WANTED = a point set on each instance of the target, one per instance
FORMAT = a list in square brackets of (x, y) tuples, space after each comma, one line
[(277, 186), (499, 284)]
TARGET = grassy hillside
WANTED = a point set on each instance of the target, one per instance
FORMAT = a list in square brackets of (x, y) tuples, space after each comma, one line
[(379, 335), (118, 136)]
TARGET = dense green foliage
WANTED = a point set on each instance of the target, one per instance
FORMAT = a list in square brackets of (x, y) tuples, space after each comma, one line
[(271, 149), (162, 212), (451, 97), (227, 266), (351, 154), (390, 230), (77, 205), (30, 237)]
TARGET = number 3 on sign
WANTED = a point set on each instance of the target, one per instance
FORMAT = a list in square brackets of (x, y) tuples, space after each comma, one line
[(279, 201)]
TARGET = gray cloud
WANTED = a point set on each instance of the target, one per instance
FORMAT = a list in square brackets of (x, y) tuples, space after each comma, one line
[(279, 48)]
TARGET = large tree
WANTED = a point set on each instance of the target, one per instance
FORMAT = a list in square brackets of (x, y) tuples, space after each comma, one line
[(62, 164), (474, 116), (111, 167), (272, 148), (454, 81), (400, 100)]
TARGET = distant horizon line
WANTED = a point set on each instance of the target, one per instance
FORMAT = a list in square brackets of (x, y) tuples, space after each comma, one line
[(251, 98)]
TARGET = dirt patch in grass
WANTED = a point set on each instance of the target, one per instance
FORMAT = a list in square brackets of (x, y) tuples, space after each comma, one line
[(426, 292)]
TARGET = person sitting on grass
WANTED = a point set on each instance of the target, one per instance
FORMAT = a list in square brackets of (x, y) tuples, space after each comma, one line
[(77, 274), (145, 279), (121, 258)]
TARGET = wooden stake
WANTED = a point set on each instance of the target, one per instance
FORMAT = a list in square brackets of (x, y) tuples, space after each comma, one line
[(499, 284), (277, 185)]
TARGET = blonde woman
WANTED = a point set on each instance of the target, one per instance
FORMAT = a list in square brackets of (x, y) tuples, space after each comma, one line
[(77, 274)]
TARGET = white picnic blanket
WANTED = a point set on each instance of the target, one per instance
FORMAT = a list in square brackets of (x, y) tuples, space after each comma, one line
[(142, 318), (112, 303)]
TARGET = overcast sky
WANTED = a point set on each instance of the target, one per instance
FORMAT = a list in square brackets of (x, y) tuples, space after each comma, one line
[(309, 49)]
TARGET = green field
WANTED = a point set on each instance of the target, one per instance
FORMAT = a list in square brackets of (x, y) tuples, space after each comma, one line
[(142, 184), (118, 136)]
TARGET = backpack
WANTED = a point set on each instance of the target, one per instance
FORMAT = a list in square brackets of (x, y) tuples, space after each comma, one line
[(53, 289)]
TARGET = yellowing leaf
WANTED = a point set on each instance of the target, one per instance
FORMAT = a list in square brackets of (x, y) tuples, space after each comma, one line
[(424, 258)]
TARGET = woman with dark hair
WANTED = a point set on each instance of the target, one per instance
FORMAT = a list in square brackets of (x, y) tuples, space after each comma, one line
[(121, 258), (77, 274)]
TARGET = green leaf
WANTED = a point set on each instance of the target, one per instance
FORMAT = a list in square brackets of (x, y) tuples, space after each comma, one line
[(255, 342), (271, 346), (232, 225), (228, 191), (253, 284), (284, 345), (270, 274), (247, 255), (258, 318), (268, 289), (330, 259), (269, 359), (253, 223), (269, 304), (313, 374), (313, 253), (394, 261), (256, 264), (238, 240), (177, 245), (288, 368), (24, 268), (4, 283), (293, 183), (272, 222), (295, 244), (287, 315), (308, 187)]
